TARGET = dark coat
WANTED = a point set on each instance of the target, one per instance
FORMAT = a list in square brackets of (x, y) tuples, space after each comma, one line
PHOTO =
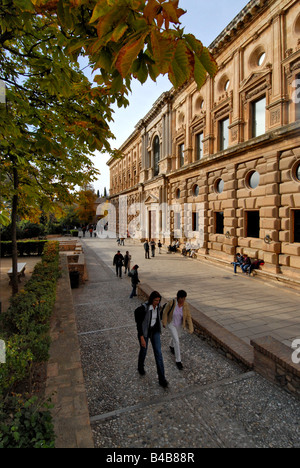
[(143, 317), (118, 260)]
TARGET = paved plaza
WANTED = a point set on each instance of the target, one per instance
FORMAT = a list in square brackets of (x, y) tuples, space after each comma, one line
[(246, 306), (213, 402)]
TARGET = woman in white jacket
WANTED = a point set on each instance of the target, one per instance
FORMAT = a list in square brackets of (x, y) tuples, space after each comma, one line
[(176, 317)]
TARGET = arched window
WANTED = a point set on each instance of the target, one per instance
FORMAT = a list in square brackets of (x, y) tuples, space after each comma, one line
[(156, 152)]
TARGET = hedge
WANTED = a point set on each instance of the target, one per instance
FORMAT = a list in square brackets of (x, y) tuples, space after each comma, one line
[(30, 247), (25, 330)]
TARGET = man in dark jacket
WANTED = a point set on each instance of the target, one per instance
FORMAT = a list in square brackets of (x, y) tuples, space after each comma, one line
[(134, 280), (118, 262), (146, 248), (148, 322)]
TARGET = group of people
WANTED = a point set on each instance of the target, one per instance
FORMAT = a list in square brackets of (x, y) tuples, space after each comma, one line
[(245, 263), (121, 261), (89, 228), (150, 317), (188, 250), (174, 246), (151, 246)]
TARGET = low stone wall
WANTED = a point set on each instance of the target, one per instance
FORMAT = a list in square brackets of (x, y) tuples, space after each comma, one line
[(77, 263), (67, 246), (273, 360), (72, 249), (65, 383)]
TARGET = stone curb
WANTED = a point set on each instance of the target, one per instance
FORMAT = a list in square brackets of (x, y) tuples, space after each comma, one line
[(65, 382)]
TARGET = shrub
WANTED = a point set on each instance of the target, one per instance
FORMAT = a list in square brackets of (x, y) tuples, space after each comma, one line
[(26, 324), (32, 247), (18, 363), (74, 232), (25, 424)]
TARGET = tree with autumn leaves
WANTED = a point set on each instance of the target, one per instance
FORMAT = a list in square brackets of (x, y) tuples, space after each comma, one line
[(53, 118)]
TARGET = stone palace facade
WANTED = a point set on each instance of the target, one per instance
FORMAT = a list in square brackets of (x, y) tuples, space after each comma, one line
[(221, 166)]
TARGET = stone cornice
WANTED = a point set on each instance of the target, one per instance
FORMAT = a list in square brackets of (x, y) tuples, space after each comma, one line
[(239, 23)]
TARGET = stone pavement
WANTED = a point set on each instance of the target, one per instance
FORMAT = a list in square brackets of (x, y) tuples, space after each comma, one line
[(213, 402), (246, 306)]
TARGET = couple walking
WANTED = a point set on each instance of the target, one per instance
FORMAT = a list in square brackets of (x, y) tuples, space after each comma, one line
[(149, 317)]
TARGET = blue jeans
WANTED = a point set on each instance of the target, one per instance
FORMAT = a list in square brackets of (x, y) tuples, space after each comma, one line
[(156, 345), (236, 264), (133, 291), (246, 268)]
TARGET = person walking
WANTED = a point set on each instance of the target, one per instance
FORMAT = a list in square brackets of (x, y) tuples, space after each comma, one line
[(159, 247), (147, 248), (177, 316), (127, 259), (133, 274), (118, 262), (152, 244), (148, 321)]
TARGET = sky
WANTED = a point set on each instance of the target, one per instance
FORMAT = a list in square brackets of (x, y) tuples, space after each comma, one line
[(206, 20)]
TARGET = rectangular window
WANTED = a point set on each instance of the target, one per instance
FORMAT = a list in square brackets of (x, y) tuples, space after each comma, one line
[(296, 225), (252, 224), (219, 222), (199, 146), (181, 155), (259, 117), (224, 134), (195, 221)]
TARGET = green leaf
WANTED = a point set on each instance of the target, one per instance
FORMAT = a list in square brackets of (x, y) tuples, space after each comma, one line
[(209, 62), (163, 51), (140, 70), (200, 73), (64, 14), (99, 10), (127, 55), (119, 31), (195, 45), (4, 219), (180, 70), (24, 5)]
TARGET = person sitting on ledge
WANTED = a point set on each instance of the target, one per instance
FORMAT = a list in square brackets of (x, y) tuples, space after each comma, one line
[(238, 262), (246, 263), (255, 265)]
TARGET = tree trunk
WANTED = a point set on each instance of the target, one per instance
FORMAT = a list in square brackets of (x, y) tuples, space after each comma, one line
[(14, 216)]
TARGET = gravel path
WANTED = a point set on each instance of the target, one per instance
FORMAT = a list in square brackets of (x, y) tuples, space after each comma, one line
[(213, 402)]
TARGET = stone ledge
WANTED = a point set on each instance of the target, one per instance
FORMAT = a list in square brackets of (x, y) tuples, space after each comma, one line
[(273, 360), (65, 382), (277, 351)]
